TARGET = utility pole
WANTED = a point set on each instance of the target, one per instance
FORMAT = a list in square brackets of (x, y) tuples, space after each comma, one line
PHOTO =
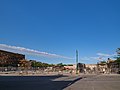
[(76, 61)]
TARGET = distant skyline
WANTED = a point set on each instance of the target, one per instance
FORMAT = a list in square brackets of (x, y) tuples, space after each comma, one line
[(61, 27)]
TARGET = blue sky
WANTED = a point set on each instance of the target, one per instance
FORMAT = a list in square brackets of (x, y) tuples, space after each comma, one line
[(62, 26)]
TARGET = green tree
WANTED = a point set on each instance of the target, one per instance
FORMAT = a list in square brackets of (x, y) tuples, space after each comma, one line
[(40, 64), (103, 62), (118, 55), (60, 64)]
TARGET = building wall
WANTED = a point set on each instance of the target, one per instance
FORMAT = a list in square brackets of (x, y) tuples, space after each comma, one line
[(113, 66), (91, 68), (10, 58), (73, 67)]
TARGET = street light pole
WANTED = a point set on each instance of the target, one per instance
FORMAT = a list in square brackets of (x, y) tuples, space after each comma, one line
[(76, 61)]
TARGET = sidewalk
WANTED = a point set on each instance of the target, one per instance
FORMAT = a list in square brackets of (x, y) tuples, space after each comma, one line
[(14, 73)]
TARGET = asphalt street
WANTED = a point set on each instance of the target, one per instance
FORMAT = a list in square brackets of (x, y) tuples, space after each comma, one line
[(54, 82), (57, 82), (97, 82)]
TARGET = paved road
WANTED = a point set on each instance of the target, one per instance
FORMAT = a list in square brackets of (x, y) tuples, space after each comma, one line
[(54, 82), (97, 82)]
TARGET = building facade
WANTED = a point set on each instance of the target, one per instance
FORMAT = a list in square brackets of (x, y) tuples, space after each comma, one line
[(113, 66), (10, 58), (91, 68), (102, 68)]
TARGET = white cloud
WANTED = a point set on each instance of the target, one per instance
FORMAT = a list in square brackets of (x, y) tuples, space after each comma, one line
[(102, 54), (94, 58), (89, 58), (85, 58), (30, 51), (106, 55)]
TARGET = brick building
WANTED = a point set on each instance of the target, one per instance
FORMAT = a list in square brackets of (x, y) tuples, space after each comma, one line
[(10, 58)]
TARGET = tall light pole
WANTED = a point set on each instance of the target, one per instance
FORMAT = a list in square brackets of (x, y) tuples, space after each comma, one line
[(76, 61)]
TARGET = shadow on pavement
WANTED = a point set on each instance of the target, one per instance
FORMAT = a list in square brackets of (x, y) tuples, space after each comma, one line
[(35, 82)]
